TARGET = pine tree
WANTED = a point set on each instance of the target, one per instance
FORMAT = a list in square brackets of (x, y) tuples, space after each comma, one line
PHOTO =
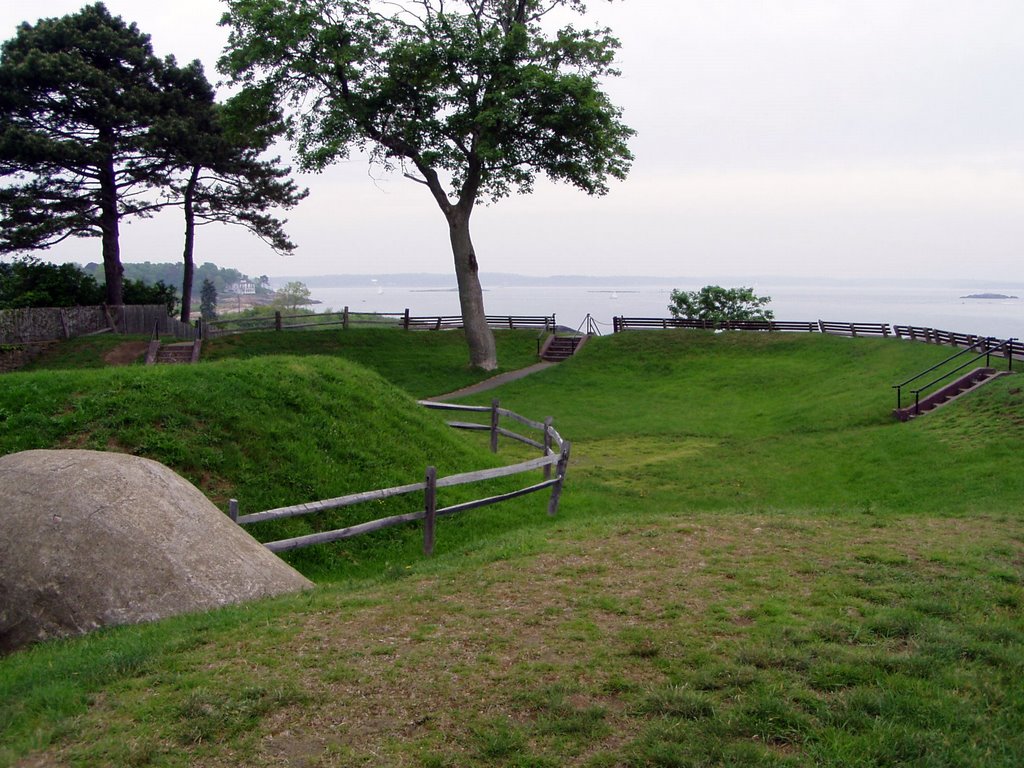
[(208, 301), (78, 96)]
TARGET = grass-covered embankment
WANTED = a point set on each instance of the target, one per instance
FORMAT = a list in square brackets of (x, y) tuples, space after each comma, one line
[(270, 431), (759, 422), (753, 566)]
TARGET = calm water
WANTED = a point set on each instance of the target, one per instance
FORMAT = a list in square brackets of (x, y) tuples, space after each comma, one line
[(934, 306)]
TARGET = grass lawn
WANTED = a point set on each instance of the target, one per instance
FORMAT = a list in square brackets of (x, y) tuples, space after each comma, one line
[(753, 565)]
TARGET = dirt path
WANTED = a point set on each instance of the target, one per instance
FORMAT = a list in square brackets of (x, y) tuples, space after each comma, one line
[(494, 382), (126, 353)]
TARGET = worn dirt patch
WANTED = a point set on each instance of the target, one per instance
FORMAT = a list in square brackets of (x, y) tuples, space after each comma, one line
[(125, 354), (434, 669)]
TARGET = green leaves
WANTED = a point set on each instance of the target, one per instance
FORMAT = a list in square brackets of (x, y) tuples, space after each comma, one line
[(477, 91), (717, 304)]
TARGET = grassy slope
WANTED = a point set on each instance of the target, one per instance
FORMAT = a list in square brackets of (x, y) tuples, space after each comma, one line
[(422, 363), (270, 432), (760, 422), (753, 566)]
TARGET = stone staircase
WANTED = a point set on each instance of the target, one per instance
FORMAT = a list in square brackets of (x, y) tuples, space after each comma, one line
[(179, 353), (967, 383), (559, 348)]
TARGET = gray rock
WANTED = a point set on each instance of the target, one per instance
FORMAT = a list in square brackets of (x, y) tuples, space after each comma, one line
[(91, 539)]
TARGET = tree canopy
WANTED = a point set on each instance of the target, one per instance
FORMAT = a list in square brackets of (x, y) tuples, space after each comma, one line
[(77, 97), (717, 304), (95, 128), (223, 178), (30, 282), (208, 300), (292, 294), (473, 99)]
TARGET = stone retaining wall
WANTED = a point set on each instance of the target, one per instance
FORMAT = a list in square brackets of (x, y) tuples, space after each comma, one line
[(21, 326), (16, 356)]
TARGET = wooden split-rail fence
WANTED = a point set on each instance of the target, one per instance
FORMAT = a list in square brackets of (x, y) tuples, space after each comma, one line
[(1014, 347), (553, 462), (347, 319)]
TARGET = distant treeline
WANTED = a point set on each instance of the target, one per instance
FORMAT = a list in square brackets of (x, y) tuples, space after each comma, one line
[(171, 274)]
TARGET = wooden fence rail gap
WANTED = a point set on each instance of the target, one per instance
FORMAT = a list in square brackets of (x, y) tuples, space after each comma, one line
[(430, 508), (556, 489)]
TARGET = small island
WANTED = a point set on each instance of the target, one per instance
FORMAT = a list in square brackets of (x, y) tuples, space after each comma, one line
[(988, 296)]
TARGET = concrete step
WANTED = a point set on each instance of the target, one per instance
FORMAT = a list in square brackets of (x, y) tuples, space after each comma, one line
[(170, 354), (949, 393), (562, 348)]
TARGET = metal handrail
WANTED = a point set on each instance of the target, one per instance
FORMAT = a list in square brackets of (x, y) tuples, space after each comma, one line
[(987, 354), (592, 329), (964, 351)]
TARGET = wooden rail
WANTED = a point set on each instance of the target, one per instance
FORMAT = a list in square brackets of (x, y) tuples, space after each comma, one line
[(1015, 348), (627, 323), (347, 319), (447, 322), (281, 322), (834, 328), (553, 463)]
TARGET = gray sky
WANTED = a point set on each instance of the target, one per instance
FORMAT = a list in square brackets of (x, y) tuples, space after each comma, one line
[(819, 138)]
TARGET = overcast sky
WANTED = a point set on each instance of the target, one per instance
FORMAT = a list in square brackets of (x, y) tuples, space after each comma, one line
[(818, 138)]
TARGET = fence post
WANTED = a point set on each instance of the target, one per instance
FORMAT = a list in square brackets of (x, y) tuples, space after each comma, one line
[(405, 321), (344, 320), (277, 320), (430, 507), (233, 509), (494, 425), (556, 489), (547, 445)]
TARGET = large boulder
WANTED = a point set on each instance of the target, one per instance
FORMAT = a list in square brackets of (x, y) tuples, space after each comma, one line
[(91, 539)]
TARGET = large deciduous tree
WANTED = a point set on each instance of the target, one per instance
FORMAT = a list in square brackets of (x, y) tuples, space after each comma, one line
[(474, 99), (77, 97)]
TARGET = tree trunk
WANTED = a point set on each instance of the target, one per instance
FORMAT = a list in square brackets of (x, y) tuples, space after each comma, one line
[(190, 240), (112, 269), (482, 351)]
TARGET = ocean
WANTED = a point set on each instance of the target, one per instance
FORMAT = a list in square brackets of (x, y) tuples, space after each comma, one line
[(935, 305)]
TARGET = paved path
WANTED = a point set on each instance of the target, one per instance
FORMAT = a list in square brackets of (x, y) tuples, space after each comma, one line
[(493, 382)]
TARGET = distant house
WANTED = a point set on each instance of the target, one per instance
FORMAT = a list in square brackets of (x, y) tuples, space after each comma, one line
[(244, 287)]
